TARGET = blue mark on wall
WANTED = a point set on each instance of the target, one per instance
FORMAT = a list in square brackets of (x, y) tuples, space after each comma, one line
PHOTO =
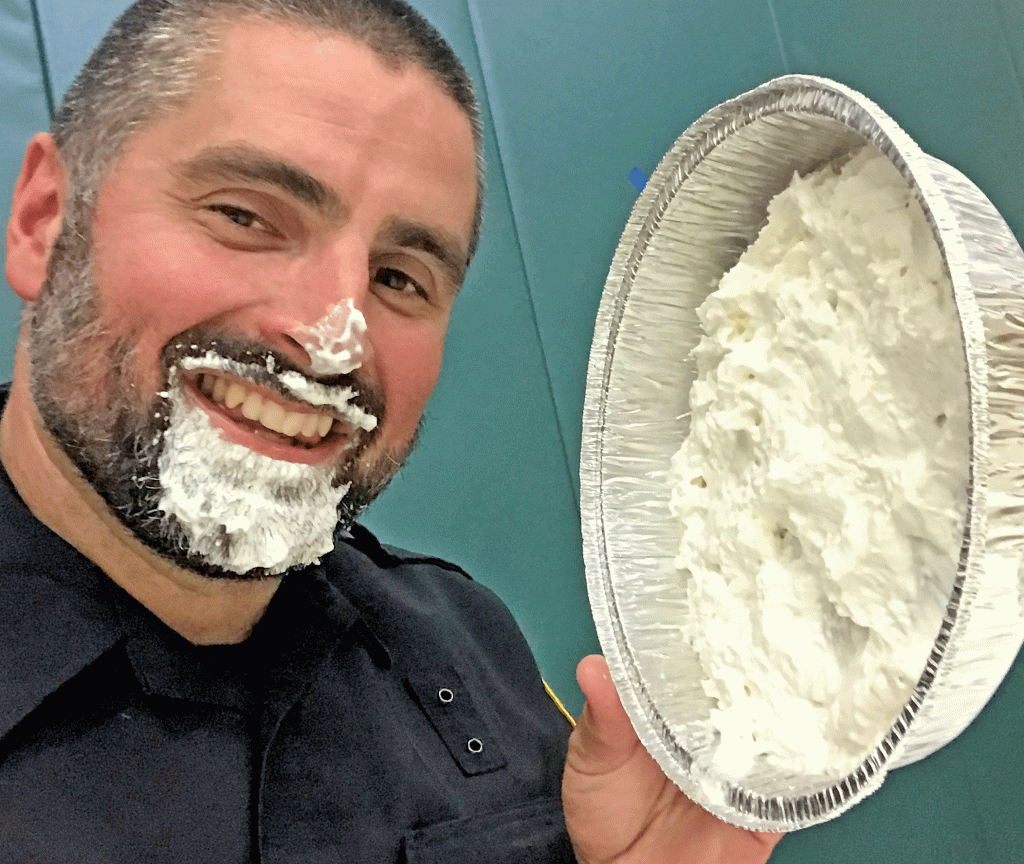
[(638, 179)]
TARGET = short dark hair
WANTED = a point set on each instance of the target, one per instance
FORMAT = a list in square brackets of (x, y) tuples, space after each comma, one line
[(148, 63)]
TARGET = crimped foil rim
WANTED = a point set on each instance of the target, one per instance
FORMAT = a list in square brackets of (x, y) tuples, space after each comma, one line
[(790, 95)]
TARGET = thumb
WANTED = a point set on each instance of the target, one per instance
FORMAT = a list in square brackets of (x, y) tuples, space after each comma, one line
[(604, 736), (617, 798), (611, 786)]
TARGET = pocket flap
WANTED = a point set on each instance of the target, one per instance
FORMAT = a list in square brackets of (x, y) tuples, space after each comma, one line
[(449, 706), (532, 833)]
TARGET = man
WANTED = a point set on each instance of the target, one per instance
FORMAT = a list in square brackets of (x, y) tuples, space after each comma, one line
[(239, 249)]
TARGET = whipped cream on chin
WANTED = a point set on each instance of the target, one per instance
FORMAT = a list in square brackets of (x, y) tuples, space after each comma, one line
[(241, 510)]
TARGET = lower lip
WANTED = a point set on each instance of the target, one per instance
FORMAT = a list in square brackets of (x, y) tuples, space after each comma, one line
[(321, 454)]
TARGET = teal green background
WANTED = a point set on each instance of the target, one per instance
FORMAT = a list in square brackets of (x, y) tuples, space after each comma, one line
[(576, 93)]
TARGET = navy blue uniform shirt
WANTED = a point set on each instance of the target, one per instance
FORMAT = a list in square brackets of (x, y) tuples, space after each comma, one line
[(385, 709)]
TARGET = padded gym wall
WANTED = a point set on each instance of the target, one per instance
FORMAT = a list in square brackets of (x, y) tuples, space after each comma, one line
[(576, 93)]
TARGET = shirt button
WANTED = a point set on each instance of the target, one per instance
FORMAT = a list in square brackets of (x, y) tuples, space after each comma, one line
[(475, 746), (445, 695)]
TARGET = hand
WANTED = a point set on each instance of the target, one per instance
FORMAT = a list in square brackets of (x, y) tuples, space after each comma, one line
[(620, 808)]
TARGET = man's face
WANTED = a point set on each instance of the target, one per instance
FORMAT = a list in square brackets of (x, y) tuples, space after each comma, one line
[(304, 179)]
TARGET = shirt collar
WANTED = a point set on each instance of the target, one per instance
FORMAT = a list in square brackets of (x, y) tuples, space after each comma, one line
[(304, 622)]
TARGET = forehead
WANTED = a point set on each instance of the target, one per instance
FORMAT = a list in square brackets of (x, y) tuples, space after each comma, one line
[(270, 57), (329, 103)]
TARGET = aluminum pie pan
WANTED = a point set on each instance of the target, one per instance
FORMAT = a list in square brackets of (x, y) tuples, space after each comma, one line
[(714, 185)]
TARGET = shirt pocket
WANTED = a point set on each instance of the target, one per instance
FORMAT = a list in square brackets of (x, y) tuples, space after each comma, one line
[(531, 833)]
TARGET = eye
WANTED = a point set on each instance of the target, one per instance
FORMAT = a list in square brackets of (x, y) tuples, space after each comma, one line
[(398, 281), (239, 215)]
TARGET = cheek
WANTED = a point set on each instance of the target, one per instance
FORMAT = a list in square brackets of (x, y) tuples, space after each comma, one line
[(408, 368), (162, 282)]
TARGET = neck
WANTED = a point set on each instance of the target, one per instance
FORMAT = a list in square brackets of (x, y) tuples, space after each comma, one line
[(204, 611)]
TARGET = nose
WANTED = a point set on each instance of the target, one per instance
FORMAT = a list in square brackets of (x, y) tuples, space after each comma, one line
[(316, 315), (336, 344)]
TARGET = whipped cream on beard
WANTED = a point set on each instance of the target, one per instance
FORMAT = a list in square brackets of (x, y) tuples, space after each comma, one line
[(239, 510), (173, 480)]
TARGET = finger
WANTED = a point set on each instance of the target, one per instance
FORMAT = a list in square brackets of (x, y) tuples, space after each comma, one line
[(608, 736), (605, 736)]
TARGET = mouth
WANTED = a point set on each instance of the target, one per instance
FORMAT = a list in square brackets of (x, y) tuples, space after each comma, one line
[(266, 422)]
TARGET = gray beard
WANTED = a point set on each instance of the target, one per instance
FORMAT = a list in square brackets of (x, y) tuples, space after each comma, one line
[(212, 507)]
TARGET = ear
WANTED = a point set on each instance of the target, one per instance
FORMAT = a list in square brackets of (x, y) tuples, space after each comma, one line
[(37, 212)]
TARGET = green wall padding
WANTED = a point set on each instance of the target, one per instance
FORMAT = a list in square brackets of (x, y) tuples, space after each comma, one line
[(576, 95), (23, 96)]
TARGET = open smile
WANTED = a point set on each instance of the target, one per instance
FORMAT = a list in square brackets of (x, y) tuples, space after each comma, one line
[(262, 420)]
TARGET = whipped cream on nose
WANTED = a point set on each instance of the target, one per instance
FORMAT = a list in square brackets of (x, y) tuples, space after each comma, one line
[(335, 343)]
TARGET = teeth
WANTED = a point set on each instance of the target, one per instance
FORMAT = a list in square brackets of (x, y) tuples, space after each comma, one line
[(292, 424), (272, 417), (310, 426), (264, 411), (235, 396), (252, 407)]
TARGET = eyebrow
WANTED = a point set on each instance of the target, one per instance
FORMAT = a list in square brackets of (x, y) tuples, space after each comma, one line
[(245, 163)]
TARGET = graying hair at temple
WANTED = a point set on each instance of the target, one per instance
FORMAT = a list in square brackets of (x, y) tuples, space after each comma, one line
[(151, 59)]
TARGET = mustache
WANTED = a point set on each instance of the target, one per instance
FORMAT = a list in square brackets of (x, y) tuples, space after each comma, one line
[(263, 365)]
